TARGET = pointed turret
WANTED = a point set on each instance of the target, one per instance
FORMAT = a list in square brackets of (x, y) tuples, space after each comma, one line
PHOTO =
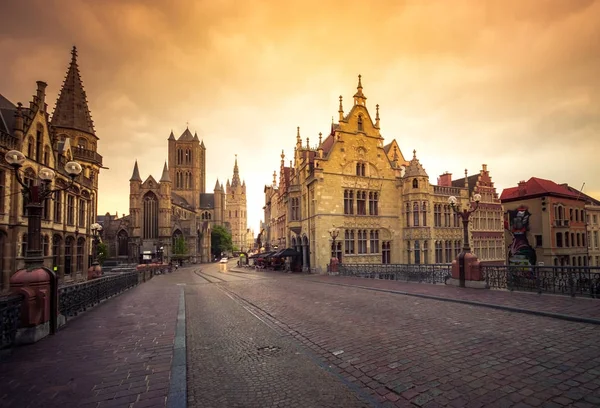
[(196, 137), (171, 136), (165, 178), (71, 109), (136, 173), (340, 111), (218, 187), (298, 138), (359, 97), (415, 169), (202, 145), (235, 181), (377, 116)]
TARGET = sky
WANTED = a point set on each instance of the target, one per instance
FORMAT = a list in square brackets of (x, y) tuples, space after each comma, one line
[(513, 84)]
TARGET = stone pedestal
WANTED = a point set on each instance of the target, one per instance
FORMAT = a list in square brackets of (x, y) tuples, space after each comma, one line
[(36, 288), (473, 275)]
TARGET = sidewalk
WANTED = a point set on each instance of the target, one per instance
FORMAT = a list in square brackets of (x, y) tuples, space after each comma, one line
[(571, 308), (116, 354)]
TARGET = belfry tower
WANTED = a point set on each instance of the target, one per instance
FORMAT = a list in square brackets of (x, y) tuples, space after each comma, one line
[(236, 208)]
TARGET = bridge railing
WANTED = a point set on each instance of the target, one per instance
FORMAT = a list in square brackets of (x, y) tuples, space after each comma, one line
[(560, 280), (10, 315), (435, 274)]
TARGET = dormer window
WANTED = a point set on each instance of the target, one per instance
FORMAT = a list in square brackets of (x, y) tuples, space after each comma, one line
[(360, 123)]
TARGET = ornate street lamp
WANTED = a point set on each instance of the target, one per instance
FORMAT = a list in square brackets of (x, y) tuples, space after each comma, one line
[(464, 215), (35, 278), (35, 196), (333, 262)]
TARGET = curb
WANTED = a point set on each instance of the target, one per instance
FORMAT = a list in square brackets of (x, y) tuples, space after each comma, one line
[(577, 319), (178, 387)]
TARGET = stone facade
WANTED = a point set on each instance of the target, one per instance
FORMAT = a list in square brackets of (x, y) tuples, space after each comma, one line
[(384, 207), (50, 143), (176, 207)]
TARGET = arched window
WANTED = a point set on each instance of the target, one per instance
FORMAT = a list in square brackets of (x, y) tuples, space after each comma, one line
[(415, 183), (424, 211), (38, 143), (360, 123), (122, 243), (80, 251), (150, 216), (415, 214), (82, 143), (417, 253)]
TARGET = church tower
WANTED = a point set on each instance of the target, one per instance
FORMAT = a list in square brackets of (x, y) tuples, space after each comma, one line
[(72, 120), (187, 166), (236, 208)]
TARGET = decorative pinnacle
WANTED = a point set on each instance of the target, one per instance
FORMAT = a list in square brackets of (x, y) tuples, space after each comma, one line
[(341, 108), (377, 112), (307, 143), (282, 155), (74, 54), (359, 82), (414, 154), (320, 137)]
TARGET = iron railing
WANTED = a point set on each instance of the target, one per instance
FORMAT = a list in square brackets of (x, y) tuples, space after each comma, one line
[(10, 315), (561, 280), (437, 273), (74, 299)]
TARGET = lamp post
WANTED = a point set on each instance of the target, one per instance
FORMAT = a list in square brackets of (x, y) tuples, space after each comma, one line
[(35, 196), (35, 276), (464, 215), (333, 262), (96, 228)]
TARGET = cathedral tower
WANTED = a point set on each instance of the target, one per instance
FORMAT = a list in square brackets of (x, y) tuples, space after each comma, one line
[(236, 208), (187, 166)]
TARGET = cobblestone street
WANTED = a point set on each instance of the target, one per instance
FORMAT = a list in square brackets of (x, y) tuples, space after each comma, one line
[(269, 339)]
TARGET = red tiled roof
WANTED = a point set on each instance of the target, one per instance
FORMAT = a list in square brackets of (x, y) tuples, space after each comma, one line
[(534, 187)]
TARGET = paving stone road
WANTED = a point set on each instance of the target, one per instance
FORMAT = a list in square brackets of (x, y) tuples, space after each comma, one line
[(408, 351), (267, 339), (236, 360)]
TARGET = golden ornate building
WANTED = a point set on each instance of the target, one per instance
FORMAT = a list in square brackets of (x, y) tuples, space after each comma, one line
[(383, 206), (50, 143), (176, 207)]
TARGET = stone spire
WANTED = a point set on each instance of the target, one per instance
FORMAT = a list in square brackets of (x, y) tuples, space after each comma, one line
[(235, 181), (171, 136), (218, 186), (71, 109), (340, 111), (136, 173), (165, 175), (377, 116), (359, 97)]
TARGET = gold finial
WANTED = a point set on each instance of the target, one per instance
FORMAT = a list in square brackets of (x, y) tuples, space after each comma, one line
[(359, 82)]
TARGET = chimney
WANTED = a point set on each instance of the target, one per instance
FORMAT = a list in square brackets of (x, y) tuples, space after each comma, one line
[(522, 188), (41, 94), (445, 180)]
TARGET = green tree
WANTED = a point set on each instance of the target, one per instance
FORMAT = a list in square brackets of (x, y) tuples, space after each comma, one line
[(220, 240), (180, 248), (102, 249)]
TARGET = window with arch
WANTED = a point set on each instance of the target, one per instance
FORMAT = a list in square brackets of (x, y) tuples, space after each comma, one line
[(82, 143), (348, 202), (122, 243), (385, 252), (361, 203), (80, 251), (417, 253), (47, 156), (360, 123), (415, 214), (38, 143), (349, 242), (360, 169), (425, 249), (374, 241), (407, 210), (56, 241), (150, 220), (424, 212), (438, 252), (415, 183), (373, 203)]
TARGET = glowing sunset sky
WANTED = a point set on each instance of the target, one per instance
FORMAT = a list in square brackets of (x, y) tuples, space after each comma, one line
[(514, 84)]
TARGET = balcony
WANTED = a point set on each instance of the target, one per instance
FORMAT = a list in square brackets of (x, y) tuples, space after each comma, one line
[(8, 141), (449, 191), (86, 155)]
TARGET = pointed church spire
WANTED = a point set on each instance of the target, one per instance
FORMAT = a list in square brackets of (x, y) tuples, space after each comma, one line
[(298, 139), (377, 115), (71, 109), (359, 97), (136, 173), (235, 181), (218, 186), (171, 136), (196, 137), (165, 175), (340, 111)]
